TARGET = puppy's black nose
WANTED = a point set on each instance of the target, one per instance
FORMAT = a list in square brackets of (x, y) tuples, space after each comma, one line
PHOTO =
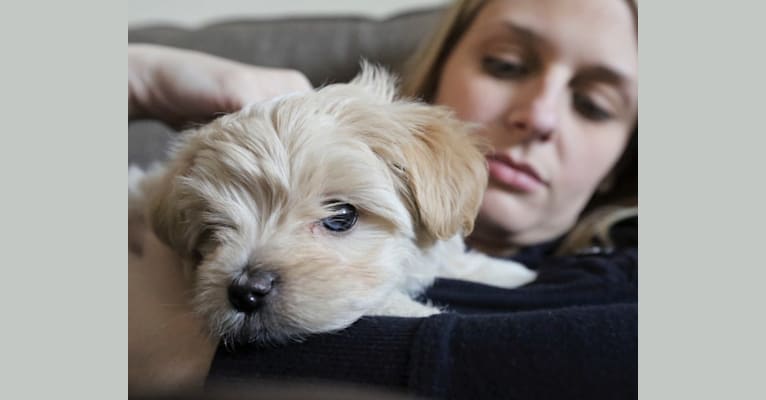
[(246, 293)]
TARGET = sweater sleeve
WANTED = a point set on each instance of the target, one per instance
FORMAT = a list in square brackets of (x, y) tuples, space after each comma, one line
[(373, 351), (574, 352)]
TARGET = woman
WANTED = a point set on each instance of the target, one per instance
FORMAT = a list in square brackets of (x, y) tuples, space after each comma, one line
[(553, 85)]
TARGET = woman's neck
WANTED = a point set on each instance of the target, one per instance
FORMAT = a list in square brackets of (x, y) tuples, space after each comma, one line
[(495, 244), (496, 241)]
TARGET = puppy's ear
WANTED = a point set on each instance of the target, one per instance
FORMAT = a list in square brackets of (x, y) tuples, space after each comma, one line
[(166, 215), (440, 165), (441, 168), (172, 207)]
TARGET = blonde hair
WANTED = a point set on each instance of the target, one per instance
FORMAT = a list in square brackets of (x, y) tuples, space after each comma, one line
[(615, 201)]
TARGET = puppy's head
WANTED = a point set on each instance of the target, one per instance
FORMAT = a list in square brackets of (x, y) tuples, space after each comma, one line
[(299, 215)]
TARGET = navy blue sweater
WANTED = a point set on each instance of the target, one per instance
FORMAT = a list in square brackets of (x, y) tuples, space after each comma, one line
[(571, 334)]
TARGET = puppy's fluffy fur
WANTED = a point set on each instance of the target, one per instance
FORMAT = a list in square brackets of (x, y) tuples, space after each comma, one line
[(250, 191)]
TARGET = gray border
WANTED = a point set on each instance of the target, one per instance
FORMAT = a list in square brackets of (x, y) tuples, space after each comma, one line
[(62, 169), (701, 95)]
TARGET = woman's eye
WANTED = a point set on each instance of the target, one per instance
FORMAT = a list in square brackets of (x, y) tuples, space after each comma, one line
[(589, 109), (503, 68), (343, 218)]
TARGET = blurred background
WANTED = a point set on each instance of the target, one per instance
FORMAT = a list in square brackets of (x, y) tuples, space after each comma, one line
[(193, 13)]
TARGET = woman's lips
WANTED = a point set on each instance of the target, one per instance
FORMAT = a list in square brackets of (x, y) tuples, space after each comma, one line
[(515, 175)]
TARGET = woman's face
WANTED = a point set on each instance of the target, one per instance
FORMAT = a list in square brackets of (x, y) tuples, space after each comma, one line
[(554, 86)]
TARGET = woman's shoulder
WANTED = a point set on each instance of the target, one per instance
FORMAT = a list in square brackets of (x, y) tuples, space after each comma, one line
[(596, 275)]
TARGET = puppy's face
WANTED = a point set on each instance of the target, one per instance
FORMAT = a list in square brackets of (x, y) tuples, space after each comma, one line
[(301, 214)]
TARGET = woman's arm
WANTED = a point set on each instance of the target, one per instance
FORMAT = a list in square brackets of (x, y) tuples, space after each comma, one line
[(576, 352), (179, 86)]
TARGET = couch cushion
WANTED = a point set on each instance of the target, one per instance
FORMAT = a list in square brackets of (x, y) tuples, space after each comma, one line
[(324, 48)]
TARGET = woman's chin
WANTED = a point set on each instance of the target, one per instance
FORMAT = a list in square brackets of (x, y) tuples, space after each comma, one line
[(508, 209), (512, 218)]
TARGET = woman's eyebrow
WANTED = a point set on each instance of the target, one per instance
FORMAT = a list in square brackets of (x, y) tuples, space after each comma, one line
[(524, 34)]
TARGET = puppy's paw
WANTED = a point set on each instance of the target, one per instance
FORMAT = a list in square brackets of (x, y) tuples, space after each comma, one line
[(477, 267), (504, 273), (401, 305)]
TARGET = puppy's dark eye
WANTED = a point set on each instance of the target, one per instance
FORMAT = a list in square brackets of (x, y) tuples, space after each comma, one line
[(344, 217)]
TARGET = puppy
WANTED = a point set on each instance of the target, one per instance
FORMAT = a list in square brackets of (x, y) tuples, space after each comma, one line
[(305, 213)]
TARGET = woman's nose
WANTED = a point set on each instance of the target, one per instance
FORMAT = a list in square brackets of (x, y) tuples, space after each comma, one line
[(535, 113)]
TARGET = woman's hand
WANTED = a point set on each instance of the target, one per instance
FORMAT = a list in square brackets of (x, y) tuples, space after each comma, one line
[(179, 86)]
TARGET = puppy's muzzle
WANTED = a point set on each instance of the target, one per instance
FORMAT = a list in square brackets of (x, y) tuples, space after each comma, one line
[(248, 292)]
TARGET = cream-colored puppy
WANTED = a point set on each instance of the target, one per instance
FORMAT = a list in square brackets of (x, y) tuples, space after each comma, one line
[(302, 214)]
